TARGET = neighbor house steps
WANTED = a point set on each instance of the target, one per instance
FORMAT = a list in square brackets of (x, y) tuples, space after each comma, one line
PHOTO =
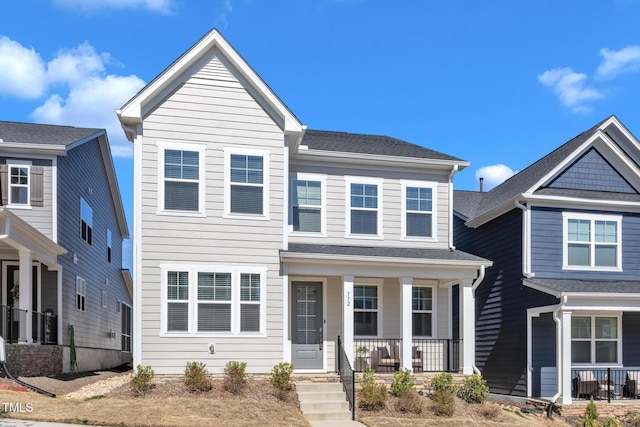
[(323, 401)]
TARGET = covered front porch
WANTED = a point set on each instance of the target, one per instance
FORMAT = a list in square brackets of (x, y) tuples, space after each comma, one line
[(391, 308), (30, 299)]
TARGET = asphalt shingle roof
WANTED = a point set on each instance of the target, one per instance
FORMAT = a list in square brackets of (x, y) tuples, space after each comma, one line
[(387, 252), (587, 286), (369, 144), (31, 133), (466, 202)]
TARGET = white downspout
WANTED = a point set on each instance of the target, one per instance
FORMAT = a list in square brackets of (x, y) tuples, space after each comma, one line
[(474, 286), (558, 352), (526, 268), (453, 172)]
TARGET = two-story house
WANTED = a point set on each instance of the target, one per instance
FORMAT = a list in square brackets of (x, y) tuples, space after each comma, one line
[(259, 240), (563, 295), (62, 226)]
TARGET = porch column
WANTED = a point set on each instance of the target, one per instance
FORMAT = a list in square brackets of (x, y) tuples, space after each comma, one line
[(467, 326), (347, 317), (25, 295), (565, 352), (406, 322)]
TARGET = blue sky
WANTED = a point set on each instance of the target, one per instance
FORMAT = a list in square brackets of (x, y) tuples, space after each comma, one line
[(497, 83)]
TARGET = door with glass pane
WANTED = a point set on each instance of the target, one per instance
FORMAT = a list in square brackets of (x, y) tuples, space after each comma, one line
[(306, 326)]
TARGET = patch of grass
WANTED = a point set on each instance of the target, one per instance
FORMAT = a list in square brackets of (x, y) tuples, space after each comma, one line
[(99, 396)]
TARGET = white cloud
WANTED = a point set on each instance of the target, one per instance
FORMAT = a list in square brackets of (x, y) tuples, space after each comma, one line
[(619, 61), (221, 18), (22, 71), (494, 175), (570, 87), (159, 6)]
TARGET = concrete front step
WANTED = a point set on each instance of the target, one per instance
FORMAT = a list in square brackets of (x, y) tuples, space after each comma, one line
[(323, 402), (310, 396), (326, 405), (318, 387), (327, 416)]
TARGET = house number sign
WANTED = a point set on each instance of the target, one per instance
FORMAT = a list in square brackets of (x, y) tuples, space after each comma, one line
[(348, 298)]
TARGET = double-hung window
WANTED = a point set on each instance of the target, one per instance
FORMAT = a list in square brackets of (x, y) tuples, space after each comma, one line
[(19, 191), (364, 206), (181, 178), (86, 222), (81, 293), (246, 182), (366, 310), (307, 200), (595, 339), (592, 241), (418, 210), (422, 311), (210, 300)]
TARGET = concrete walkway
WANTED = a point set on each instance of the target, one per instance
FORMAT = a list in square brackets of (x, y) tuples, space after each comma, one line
[(338, 423), (23, 423)]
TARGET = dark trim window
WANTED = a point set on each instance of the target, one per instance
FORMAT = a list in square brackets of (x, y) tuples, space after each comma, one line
[(422, 311), (181, 180), (247, 184), (365, 310), (86, 222), (594, 339)]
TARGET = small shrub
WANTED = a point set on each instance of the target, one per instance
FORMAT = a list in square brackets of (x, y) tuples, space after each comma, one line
[(474, 389), (443, 403), (368, 377), (142, 380), (409, 402), (610, 422), (632, 417), (490, 411), (372, 397), (590, 417), (235, 376), (281, 379), (403, 383), (443, 382), (196, 377)]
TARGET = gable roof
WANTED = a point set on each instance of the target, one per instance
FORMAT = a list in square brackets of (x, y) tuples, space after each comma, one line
[(369, 144), (529, 179), (31, 138), (130, 114)]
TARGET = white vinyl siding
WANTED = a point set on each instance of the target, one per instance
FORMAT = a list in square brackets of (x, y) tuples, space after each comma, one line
[(181, 178), (592, 242)]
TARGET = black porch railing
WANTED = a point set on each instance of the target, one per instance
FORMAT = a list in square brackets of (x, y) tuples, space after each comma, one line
[(13, 321), (605, 383), (347, 377), (427, 355)]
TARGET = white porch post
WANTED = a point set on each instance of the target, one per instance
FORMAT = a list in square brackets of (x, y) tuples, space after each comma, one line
[(25, 299), (406, 324), (467, 326), (565, 351), (347, 317)]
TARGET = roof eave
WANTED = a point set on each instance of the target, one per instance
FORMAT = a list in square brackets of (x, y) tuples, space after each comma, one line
[(40, 149), (349, 157), (350, 259)]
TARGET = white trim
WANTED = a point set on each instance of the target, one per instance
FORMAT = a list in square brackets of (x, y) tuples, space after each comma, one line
[(379, 182), (566, 216), (54, 199), (201, 149), (303, 176), (378, 283), (266, 177), (433, 186), (136, 320), (193, 269), (14, 163)]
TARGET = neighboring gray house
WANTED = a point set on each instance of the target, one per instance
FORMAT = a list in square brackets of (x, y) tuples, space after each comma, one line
[(563, 295), (259, 240), (62, 227)]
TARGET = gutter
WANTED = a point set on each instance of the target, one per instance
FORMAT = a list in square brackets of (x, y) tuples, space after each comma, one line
[(558, 355), (474, 286), (454, 170), (526, 268)]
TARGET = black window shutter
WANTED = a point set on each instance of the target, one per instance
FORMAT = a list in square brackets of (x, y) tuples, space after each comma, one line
[(4, 184)]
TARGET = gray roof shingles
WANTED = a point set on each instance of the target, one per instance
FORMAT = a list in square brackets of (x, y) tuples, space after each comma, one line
[(386, 252), (369, 144), (587, 286), (31, 133)]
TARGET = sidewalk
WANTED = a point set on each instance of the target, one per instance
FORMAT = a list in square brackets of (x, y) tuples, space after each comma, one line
[(22, 423)]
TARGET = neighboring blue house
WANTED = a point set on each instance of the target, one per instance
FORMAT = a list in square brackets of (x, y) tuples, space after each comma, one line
[(61, 230), (563, 292)]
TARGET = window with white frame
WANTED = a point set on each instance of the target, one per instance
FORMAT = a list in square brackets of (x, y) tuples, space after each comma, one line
[(422, 311), (307, 202), (595, 339), (224, 300), (365, 310), (19, 182), (109, 247), (418, 209), (81, 293), (592, 241), (181, 180), (86, 222), (247, 174), (364, 202)]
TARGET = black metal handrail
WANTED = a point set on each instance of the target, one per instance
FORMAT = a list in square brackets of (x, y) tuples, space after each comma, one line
[(605, 383), (44, 328), (347, 377), (427, 355)]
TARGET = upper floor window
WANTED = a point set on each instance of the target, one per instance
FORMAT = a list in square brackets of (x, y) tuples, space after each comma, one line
[(592, 241), (109, 247), (19, 183), (365, 310), (86, 222), (364, 216), (307, 203), (246, 186), (418, 209), (422, 311), (595, 339), (181, 178)]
